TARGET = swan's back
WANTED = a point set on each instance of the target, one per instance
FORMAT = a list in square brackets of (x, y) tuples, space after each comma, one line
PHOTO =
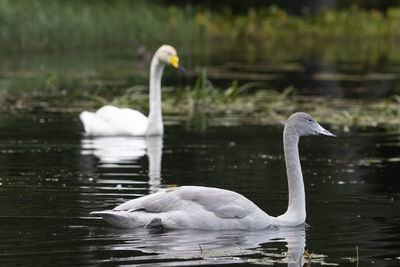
[(110, 120), (210, 198)]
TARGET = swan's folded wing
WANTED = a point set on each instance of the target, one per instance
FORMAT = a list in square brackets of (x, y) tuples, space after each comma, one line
[(161, 201), (232, 211), (123, 120), (223, 203), (113, 114)]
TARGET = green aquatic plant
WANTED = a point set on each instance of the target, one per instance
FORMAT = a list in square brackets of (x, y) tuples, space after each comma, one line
[(205, 98), (356, 259)]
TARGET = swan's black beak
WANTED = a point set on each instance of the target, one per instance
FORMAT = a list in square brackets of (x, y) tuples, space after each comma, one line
[(324, 132), (181, 68)]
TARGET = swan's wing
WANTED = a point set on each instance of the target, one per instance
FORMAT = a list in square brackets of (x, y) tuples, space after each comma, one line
[(223, 203), (114, 114), (162, 201)]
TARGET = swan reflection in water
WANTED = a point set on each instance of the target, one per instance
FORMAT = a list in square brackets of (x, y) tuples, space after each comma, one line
[(117, 151), (283, 245)]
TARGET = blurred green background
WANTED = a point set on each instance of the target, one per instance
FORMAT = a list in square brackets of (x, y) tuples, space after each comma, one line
[(251, 59)]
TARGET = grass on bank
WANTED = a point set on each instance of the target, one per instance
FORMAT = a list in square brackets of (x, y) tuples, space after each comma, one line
[(63, 25)]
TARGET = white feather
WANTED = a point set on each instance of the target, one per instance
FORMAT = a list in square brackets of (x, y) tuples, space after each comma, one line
[(193, 207), (110, 120)]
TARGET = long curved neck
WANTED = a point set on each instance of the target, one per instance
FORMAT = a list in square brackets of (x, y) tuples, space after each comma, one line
[(296, 212), (155, 124)]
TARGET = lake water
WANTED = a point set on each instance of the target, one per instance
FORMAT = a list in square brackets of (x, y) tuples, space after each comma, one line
[(52, 177)]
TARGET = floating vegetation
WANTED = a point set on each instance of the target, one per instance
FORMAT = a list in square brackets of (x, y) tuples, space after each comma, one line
[(356, 259)]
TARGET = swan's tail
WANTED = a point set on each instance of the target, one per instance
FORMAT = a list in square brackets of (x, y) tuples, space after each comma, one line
[(92, 124), (120, 219), (87, 119)]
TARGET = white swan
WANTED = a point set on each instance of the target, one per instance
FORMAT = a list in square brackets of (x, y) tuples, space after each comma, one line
[(110, 120), (207, 208)]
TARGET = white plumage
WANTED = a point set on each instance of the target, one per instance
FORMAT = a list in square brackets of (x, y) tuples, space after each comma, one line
[(207, 208), (193, 207), (110, 120)]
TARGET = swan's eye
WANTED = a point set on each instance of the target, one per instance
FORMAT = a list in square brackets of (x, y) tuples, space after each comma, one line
[(310, 120)]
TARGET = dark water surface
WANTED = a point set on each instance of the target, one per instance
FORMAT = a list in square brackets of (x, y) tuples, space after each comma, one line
[(52, 177)]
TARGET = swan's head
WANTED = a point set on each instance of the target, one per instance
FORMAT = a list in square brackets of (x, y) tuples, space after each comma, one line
[(304, 125), (167, 55)]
